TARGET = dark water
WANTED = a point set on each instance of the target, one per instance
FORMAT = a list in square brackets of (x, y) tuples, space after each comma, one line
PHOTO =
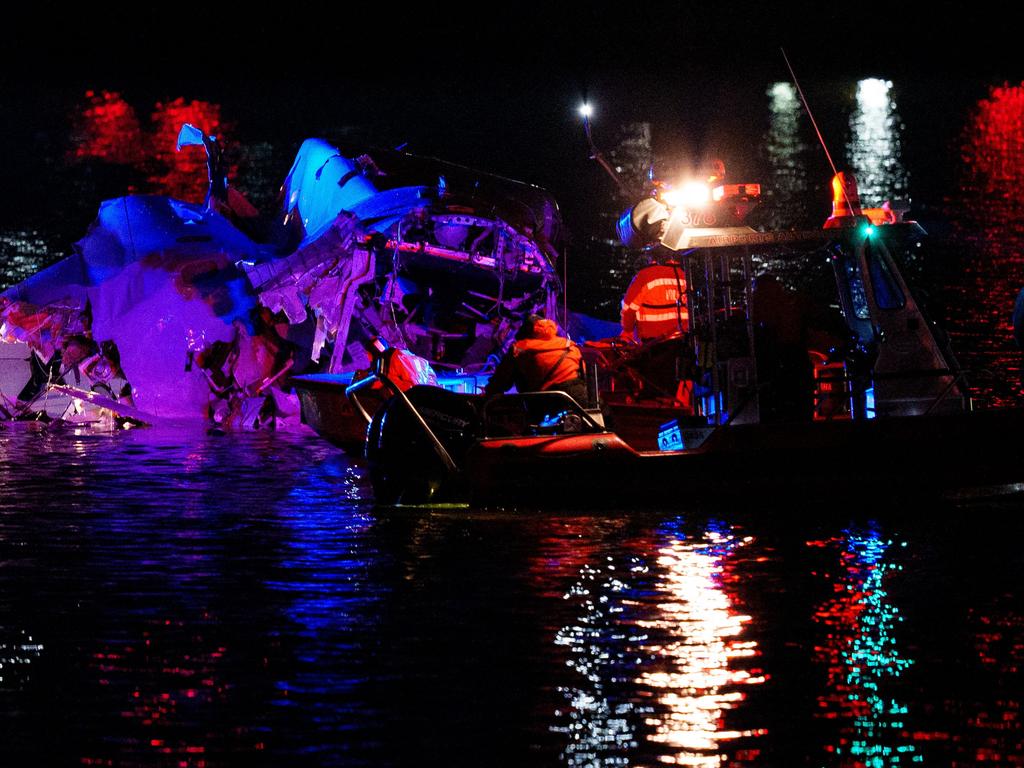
[(206, 601)]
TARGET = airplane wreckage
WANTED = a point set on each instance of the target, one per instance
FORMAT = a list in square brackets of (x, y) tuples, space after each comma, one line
[(170, 311)]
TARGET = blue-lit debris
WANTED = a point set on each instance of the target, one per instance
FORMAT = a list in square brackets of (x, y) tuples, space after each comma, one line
[(177, 310)]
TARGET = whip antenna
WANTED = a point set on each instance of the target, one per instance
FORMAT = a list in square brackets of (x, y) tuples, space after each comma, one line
[(803, 100)]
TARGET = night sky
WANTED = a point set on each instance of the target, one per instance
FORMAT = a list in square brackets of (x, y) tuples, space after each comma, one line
[(298, 66)]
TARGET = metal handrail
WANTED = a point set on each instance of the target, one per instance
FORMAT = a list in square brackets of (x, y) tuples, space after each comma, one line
[(554, 394), (946, 391), (352, 389)]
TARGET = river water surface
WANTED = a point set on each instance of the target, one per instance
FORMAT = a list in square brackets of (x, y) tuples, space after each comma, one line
[(191, 600)]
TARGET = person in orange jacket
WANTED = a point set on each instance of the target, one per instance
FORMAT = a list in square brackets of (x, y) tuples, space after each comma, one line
[(540, 360), (655, 303)]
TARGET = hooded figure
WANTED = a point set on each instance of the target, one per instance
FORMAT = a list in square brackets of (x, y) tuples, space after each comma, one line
[(540, 360)]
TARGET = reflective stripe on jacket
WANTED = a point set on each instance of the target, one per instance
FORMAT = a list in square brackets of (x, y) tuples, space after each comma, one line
[(655, 302)]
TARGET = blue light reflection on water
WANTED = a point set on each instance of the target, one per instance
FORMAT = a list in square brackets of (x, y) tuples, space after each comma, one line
[(190, 599), (327, 581), (167, 564)]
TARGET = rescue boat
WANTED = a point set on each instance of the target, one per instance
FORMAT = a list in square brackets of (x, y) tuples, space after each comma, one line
[(875, 407)]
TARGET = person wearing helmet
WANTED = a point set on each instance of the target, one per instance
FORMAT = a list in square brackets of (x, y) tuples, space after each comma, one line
[(539, 361)]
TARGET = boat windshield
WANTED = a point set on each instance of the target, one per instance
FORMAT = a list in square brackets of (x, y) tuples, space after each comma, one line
[(887, 290)]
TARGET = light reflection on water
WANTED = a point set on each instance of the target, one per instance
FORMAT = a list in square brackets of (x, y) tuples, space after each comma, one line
[(17, 652), (601, 727), (875, 150), (670, 629), (998, 645), (185, 599), (703, 639), (862, 656), (23, 252), (150, 561), (784, 144), (986, 248), (786, 152)]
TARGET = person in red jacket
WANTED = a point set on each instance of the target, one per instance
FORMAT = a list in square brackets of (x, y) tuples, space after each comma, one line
[(655, 303), (540, 360)]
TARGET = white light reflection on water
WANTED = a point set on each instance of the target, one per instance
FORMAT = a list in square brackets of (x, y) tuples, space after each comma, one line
[(23, 252), (785, 150), (875, 146), (15, 657), (704, 638), (601, 727), (657, 651)]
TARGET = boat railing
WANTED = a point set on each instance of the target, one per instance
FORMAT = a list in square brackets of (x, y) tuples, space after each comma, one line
[(957, 378), (353, 389), (557, 400)]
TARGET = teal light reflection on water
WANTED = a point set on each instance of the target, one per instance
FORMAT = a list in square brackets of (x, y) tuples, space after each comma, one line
[(863, 656)]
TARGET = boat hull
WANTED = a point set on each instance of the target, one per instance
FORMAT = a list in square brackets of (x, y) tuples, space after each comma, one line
[(880, 461), (329, 412)]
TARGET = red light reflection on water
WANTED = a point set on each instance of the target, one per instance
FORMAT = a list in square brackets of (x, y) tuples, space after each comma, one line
[(168, 695), (565, 546), (994, 145), (107, 128), (185, 174), (988, 216), (998, 639), (861, 657)]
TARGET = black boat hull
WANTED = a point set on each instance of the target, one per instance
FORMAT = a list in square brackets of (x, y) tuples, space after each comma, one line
[(879, 461)]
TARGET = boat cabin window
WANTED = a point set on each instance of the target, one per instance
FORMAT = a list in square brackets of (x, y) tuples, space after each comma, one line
[(858, 298), (888, 294)]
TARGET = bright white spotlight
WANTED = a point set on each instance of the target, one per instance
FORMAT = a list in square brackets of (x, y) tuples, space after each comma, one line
[(586, 110), (692, 194)]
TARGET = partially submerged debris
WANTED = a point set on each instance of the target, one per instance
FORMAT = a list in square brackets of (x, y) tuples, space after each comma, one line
[(167, 310)]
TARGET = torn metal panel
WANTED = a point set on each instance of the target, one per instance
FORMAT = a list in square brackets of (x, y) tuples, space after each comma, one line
[(168, 308), (442, 269)]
